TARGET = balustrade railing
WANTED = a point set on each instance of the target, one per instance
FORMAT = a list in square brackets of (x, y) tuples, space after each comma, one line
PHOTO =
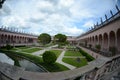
[(100, 69), (107, 21)]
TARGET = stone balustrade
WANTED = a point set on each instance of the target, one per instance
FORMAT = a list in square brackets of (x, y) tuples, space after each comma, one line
[(99, 69)]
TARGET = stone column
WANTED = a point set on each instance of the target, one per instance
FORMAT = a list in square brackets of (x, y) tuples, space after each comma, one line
[(108, 42), (116, 42)]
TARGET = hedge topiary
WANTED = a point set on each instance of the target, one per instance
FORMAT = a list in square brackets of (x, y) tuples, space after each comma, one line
[(88, 57), (113, 50), (98, 47), (49, 57), (8, 47)]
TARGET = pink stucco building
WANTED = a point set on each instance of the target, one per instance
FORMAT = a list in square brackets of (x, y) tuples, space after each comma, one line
[(106, 34), (16, 38)]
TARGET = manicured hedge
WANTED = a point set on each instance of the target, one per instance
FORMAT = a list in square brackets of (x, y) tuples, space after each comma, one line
[(88, 57), (38, 61), (49, 57)]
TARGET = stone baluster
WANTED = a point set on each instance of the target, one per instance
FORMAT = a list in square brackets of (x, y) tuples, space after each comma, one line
[(106, 17), (97, 24), (111, 13), (117, 8), (111, 66), (101, 21)]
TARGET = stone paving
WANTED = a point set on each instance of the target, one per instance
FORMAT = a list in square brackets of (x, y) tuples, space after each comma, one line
[(39, 52), (74, 57), (59, 60)]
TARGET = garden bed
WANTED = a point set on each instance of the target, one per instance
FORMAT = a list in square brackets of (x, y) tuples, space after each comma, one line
[(75, 62)]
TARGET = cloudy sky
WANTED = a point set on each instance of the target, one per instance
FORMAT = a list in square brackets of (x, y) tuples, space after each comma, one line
[(70, 17)]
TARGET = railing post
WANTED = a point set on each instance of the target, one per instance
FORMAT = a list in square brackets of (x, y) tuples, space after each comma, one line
[(117, 8), (111, 13), (101, 20), (97, 24), (106, 17)]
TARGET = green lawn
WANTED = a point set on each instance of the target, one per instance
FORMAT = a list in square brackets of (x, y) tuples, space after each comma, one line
[(57, 52), (56, 67), (31, 50), (23, 47), (20, 48), (72, 53), (74, 62), (68, 47), (14, 49)]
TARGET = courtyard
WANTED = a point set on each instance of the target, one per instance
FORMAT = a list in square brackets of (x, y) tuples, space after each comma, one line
[(67, 59)]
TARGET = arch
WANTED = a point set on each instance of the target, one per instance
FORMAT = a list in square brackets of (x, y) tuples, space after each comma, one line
[(17, 40), (112, 39), (12, 38), (5, 39), (100, 39), (23, 39), (118, 40), (2, 38), (90, 40), (93, 41), (8, 39), (96, 39), (105, 38)]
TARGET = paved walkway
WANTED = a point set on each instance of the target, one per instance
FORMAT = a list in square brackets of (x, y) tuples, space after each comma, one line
[(42, 51), (39, 52), (59, 60), (74, 57), (20, 50)]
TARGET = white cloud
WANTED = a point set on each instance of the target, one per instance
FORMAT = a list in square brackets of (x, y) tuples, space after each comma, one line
[(53, 16), (88, 24), (66, 3)]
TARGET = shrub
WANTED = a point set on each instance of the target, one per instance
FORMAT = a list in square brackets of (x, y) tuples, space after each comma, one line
[(90, 45), (112, 49), (98, 47), (8, 47), (88, 57), (85, 43), (49, 57)]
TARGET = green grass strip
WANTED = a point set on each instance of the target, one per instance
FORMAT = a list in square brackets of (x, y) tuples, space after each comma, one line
[(88, 57), (72, 53), (56, 67), (23, 47), (74, 62), (31, 50), (57, 52)]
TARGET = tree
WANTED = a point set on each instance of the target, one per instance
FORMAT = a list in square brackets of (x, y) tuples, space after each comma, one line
[(60, 38), (49, 57), (44, 38)]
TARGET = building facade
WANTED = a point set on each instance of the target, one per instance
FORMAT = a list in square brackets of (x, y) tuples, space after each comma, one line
[(106, 34), (15, 38)]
